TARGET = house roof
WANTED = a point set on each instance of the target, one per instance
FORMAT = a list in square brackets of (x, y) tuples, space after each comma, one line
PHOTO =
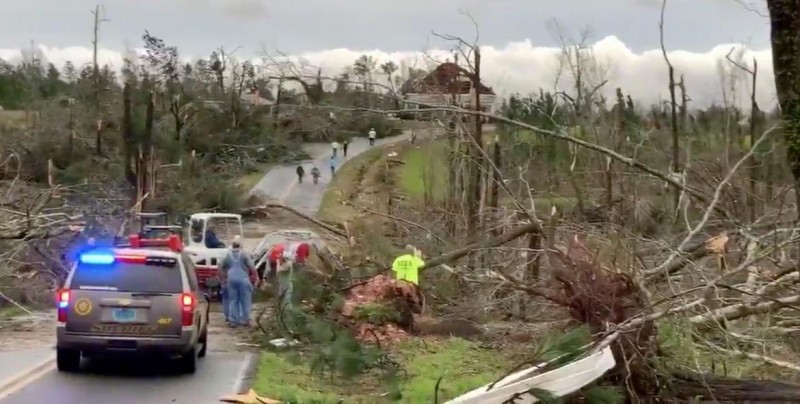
[(446, 78)]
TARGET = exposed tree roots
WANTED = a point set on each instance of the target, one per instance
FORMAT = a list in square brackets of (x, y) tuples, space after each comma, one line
[(600, 297)]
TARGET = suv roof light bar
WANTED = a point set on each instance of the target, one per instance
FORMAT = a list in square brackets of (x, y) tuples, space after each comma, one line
[(172, 241)]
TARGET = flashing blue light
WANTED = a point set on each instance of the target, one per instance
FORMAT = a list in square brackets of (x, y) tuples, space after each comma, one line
[(96, 258), (63, 305)]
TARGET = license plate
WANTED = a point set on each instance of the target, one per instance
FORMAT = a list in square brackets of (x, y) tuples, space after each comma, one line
[(124, 315)]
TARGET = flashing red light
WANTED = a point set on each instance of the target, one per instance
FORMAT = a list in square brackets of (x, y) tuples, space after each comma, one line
[(172, 241), (63, 304), (131, 259), (187, 309)]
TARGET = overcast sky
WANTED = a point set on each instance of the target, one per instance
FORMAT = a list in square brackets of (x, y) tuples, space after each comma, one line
[(515, 32)]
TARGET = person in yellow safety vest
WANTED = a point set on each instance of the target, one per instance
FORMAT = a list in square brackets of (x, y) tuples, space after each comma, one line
[(406, 267)]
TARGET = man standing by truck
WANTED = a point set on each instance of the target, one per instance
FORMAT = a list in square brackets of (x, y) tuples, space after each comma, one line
[(238, 272)]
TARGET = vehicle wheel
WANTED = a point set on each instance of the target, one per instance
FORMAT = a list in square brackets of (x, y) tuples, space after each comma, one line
[(189, 360), (68, 360), (203, 340)]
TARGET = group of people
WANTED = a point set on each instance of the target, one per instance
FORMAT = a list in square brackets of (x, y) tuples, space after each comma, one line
[(239, 277), (335, 146), (315, 174)]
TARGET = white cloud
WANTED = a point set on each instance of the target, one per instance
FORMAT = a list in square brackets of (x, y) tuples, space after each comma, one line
[(523, 67)]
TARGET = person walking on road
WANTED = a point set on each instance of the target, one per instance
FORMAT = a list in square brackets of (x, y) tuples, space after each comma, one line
[(345, 143), (300, 173), (372, 135), (406, 267), (315, 174), (240, 275), (335, 147), (333, 164)]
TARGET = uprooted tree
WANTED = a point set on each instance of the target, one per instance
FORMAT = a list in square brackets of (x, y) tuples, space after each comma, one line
[(720, 278)]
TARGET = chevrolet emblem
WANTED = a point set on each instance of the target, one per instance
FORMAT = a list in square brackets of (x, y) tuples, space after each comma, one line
[(124, 302)]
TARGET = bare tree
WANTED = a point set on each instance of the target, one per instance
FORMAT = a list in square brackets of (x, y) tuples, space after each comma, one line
[(754, 118), (676, 153), (98, 19)]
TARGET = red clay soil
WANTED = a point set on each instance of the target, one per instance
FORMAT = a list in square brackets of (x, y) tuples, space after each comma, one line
[(403, 297)]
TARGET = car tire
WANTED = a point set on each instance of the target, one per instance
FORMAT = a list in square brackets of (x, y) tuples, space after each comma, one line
[(68, 360), (188, 361), (203, 340)]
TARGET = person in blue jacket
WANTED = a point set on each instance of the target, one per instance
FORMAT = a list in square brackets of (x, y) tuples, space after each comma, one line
[(211, 239), (333, 165)]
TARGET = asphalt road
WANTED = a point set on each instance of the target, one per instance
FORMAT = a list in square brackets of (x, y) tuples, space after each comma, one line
[(130, 382), (280, 182)]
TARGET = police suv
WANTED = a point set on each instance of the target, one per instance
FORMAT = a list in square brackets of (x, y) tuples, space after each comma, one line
[(143, 298)]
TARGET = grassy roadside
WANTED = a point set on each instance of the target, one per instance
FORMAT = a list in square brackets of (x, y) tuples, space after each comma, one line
[(345, 186), (425, 170), (462, 365)]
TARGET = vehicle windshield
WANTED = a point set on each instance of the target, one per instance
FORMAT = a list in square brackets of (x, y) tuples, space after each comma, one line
[(224, 229), (128, 277)]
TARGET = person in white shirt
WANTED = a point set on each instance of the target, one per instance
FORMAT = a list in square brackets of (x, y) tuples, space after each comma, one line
[(372, 135), (285, 275), (335, 147)]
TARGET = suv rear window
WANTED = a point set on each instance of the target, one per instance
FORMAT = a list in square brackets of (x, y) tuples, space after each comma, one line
[(128, 277)]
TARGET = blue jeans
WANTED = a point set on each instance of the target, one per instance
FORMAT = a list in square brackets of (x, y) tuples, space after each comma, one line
[(240, 296), (226, 301)]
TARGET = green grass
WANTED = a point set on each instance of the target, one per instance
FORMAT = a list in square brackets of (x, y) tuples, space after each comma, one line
[(425, 169), (346, 181), (462, 364)]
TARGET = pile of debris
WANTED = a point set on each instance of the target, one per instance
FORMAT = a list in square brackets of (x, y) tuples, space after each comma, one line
[(382, 309)]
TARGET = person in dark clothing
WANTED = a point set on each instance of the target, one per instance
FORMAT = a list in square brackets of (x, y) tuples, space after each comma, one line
[(211, 239), (300, 173), (345, 143)]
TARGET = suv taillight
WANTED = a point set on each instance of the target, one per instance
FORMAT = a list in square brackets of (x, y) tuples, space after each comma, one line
[(187, 309), (62, 297)]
